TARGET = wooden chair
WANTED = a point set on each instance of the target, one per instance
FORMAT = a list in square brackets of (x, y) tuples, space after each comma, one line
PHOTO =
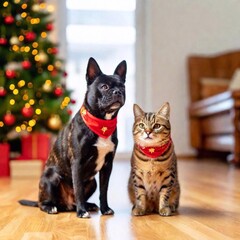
[(214, 120)]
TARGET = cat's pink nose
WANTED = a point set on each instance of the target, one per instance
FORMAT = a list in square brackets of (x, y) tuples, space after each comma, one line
[(148, 132)]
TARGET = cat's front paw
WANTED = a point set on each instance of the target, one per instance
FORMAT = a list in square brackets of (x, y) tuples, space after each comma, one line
[(166, 211), (173, 208), (137, 211)]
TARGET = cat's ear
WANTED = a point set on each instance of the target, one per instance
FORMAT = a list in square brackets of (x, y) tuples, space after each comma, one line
[(121, 70), (93, 70), (138, 112), (164, 111)]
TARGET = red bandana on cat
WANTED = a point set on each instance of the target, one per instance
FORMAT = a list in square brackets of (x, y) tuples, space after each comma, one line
[(103, 128), (154, 152)]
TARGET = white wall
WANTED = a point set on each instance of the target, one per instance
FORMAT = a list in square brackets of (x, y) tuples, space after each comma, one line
[(168, 31)]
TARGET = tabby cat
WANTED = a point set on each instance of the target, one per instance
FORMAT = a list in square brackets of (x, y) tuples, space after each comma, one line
[(153, 184)]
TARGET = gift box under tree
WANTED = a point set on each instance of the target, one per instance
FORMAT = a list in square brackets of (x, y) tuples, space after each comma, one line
[(35, 146), (4, 160)]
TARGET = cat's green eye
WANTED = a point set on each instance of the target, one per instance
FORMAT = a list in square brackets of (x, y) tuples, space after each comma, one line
[(157, 126), (141, 125)]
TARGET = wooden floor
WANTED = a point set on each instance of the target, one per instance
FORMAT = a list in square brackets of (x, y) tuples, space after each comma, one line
[(209, 209)]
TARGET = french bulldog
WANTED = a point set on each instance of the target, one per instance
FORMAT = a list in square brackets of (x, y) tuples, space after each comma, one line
[(83, 148)]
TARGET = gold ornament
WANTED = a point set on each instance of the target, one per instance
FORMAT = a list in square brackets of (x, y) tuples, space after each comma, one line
[(47, 87), (14, 40), (42, 57), (36, 7), (55, 122)]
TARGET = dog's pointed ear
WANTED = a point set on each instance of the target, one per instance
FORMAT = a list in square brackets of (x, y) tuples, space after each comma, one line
[(93, 70), (121, 70)]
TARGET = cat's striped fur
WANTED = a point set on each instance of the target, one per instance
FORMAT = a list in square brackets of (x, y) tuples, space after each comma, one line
[(153, 184)]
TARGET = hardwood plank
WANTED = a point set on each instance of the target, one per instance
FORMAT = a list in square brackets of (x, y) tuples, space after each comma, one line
[(209, 209)]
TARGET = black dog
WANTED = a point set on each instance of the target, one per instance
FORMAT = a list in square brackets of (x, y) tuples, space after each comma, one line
[(84, 147)]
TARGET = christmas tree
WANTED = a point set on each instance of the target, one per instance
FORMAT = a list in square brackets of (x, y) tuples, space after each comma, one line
[(33, 96)]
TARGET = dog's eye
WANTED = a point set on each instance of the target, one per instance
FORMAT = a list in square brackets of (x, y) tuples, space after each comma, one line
[(104, 87)]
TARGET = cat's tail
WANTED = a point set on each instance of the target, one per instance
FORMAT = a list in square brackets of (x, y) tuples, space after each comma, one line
[(28, 203)]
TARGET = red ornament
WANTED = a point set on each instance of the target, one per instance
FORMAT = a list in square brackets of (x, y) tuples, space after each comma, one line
[(54, 50), (54, 72), (3, 92), (27, 112), (30, 36), (26, 64), (3, 41), (73, 101), (69, 111), (9, 20), (10, 74), (58, 91), (9, 119), (49, 27), (65, 74)]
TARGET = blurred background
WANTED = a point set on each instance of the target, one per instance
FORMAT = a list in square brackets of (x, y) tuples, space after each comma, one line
[(155, 37)]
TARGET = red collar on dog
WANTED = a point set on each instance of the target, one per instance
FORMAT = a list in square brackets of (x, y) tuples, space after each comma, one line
[(154, 152), (103, 128)]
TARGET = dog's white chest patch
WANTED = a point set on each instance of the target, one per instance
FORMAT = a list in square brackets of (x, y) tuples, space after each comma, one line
[(104, 146)]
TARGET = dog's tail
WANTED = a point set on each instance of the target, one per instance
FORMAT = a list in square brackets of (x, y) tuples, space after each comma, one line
[(28, 203)]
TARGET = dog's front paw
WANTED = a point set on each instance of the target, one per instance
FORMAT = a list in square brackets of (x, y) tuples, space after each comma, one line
[(83, 214), (91, 207), (107, 211)]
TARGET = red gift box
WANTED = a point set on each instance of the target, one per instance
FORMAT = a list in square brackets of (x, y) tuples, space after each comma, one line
[(35, 146), (4, 160)]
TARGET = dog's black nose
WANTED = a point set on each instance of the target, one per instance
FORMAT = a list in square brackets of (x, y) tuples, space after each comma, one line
[(117, 92)]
